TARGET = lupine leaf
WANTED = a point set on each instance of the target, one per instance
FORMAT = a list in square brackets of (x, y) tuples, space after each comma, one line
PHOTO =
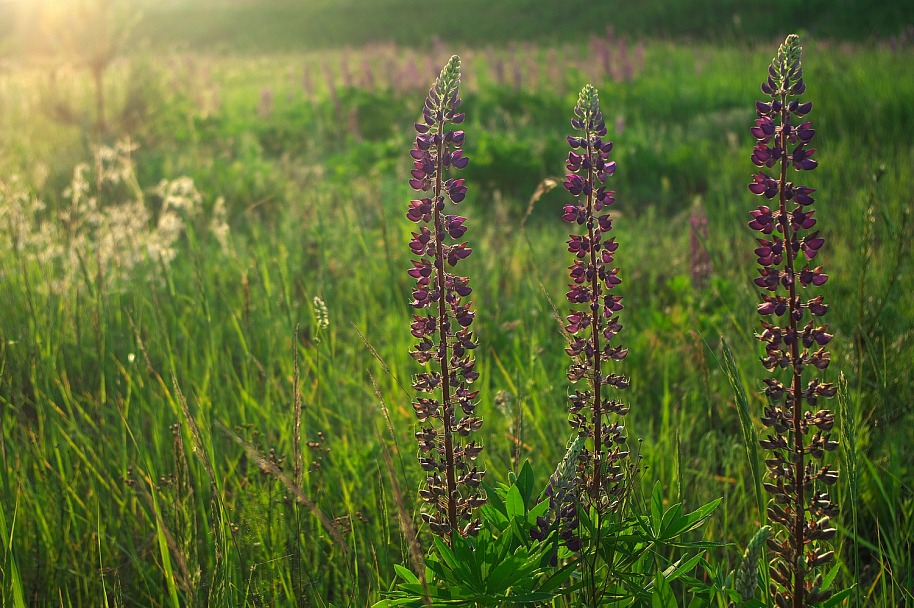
[(680, 568), (524, 482), (493, 515), (493, 497), (690, 521), (514, 503), (837, 598), (673, 515), (662, 596), (406, 574), (656, 508), (446, 554), (508, 573), (829, 577), (559, 577), (468, 564)]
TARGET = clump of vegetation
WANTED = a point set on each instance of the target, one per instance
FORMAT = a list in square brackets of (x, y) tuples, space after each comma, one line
[(108, 226)]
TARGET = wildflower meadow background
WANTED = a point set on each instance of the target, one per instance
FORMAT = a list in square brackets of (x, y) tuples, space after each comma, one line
[(251, 265)]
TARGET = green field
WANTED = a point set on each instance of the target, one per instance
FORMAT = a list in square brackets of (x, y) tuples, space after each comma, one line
[(150, 324)]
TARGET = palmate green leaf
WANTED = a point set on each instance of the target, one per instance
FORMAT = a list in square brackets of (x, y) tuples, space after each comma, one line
[(664, 526), (512, 572), (656, 507), (439, 572), (514, 502), (676, 524), (558, 578), (517, 536), (662, 596), (827, 582), (450, 596), (512, 580), (829, 577), (680, 568), (458, 567), (493, 516), (537, 510), (470, 562), (515, 542), (636, 576), (671, 516), (406, 574), (494, 499), (837, 599), (450, 560), (524, 482), (503, 569)]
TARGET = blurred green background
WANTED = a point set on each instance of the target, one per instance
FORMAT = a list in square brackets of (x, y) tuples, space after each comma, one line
[(183, 184)]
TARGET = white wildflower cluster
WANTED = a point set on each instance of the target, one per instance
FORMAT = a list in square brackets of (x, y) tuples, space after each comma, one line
[(218, 225), (106, 227), (18, 229)]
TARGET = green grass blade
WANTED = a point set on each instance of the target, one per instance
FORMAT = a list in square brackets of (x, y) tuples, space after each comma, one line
[(11, 569), (750, 437)]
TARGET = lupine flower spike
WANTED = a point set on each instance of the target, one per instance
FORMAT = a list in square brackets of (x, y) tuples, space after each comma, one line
[(793, 337), (594, 322), (447, 413)]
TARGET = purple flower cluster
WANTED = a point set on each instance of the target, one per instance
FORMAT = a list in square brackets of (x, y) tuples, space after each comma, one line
[(562, 494), (792, 335), (443, 325), (593, 321)]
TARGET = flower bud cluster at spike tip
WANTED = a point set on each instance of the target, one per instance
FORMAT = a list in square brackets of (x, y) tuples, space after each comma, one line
[(562, 494), (447, 410), (793, 335), (593, 320)]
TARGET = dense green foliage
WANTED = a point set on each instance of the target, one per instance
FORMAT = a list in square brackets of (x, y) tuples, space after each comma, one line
[(103, 498)]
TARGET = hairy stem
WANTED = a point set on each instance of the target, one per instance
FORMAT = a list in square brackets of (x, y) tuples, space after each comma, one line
[(799, 519), (595, 331), (443, 325)]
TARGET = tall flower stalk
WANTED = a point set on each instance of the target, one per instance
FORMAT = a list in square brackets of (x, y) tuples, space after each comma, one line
[(447, 412), (793, 337), (593, 321)]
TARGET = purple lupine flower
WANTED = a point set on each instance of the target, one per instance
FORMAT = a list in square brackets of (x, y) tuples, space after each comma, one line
[(346, 69), (593, 320), (793, 337), (265, 106), (307, 82), (406, 75), (368, 78), (442, 324)]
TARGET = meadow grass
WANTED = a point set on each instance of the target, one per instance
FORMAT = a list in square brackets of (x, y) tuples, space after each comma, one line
[(114, 491)]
